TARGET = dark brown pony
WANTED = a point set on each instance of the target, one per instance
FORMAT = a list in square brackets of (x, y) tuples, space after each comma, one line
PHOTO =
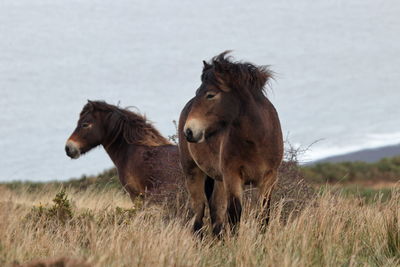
[(146, 162), (229, 132)]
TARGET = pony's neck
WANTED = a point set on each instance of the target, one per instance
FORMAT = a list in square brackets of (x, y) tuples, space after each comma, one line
[(117, 150), (121, 136), (248, 115)]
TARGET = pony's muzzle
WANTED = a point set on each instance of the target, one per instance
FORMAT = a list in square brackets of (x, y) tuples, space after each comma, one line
[(194, 132), (72, 150)]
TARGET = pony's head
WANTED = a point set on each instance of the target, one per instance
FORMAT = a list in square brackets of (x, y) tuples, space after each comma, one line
[(89, 132), (226, 88), (104, 124)]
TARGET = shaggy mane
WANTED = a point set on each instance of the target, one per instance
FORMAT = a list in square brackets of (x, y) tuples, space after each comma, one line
[(239, 76), (133, 127)]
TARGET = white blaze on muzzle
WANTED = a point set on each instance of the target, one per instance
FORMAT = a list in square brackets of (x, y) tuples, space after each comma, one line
[(197, 127), (73, 149)]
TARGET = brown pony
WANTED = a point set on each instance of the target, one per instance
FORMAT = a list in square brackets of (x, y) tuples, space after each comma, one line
[(146, 162), (229, 132)]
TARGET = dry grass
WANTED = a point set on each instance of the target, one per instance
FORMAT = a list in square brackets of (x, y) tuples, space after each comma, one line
[(105, 230)]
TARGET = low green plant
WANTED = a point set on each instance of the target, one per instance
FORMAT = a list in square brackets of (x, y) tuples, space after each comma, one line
[(387, 170), (60, 211)]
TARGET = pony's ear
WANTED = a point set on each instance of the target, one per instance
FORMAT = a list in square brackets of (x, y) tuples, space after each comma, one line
[(206, 66), (90, 104)]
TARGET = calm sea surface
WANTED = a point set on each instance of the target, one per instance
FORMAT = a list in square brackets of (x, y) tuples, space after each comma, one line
[(337, 65)]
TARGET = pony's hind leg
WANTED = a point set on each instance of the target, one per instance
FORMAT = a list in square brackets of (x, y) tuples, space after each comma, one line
[(218, 205), (195, 185), (265, 192)]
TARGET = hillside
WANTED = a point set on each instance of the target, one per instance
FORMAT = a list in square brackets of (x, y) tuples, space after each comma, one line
[(366, 155)]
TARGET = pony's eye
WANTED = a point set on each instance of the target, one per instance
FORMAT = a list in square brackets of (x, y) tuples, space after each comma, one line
[(85, 125), (210, 95)]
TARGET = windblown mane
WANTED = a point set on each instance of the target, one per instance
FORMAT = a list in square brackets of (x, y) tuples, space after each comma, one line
[(133, 127), (238, 76)]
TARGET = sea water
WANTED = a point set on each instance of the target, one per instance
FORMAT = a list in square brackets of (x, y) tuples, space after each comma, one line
[(337, 67)]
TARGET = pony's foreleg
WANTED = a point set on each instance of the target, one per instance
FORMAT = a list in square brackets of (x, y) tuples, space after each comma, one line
[(265, 191), (233, 187), (218, 206), (195, 185)]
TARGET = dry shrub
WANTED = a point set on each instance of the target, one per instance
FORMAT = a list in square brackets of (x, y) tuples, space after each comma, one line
[(291, 191), (172, 198)]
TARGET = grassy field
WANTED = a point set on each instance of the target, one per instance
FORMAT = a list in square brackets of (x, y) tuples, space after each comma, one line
[(103, 228), (318, 221)]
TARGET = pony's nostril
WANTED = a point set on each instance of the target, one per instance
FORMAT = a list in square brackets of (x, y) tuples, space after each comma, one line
[(189, 133), (71, 152)]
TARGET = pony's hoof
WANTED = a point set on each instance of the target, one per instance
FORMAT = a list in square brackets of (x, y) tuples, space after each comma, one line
[(217, 231), (198, 230)]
